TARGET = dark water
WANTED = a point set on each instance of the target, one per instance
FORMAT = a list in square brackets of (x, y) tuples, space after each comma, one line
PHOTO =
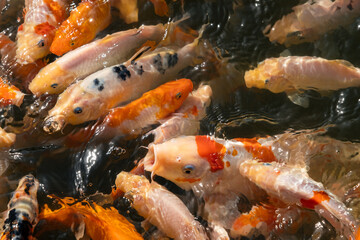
[(235, 31)]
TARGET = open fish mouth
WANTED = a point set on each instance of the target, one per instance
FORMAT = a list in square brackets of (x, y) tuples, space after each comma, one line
[(53, 124), (150, 163)]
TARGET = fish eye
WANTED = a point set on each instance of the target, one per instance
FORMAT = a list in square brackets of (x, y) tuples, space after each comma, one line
[(187, 169), (78, 110), (178, 95), (267, 81), (41, 43), (54, 85)]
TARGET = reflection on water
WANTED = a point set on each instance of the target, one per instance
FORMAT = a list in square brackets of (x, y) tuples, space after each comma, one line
[(68, 167)]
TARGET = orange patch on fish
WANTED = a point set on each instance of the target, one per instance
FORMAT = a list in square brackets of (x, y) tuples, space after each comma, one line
[(256, 215), (7, 93), (56, 9), (21, 27), (44, 29), (262, 153), (227, 164), (234, 152), (190, 180), (319, 196), (212, 151), (161, 8)]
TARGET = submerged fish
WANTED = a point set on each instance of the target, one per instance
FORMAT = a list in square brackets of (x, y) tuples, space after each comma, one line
[(311, 20), (148, 109), (99, 223), (185, 120), (292, 74), (84, 22), (6, 139), (128, 10), (36, 34), (9, 94), (160, 207), (22, 210), (81, 62), (213, 169), (161, 7), (94, 96)]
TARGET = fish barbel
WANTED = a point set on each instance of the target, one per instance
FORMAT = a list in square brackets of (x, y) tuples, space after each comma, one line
[(160, 207), (81, 62), (6, 139), (22, 210), (36, 34), (311, 20), (148, 109), (94, 96), (84, 22)]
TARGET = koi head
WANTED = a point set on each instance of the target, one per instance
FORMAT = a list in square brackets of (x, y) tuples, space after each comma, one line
[(65, 40), (178, 161), (74, 106), (29, 184), (33, 42)]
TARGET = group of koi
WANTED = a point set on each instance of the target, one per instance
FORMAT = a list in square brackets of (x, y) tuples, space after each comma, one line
[(126, 82)]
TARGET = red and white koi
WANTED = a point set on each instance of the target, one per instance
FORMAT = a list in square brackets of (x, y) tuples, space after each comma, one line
[(309, 21), (6, 139), (84, 22), (9, 94), (289, 74), (151, 107), (36, 34), (22, 210), (186, 120), (160, 207), (105, 52), (94, 96), (294, 186)]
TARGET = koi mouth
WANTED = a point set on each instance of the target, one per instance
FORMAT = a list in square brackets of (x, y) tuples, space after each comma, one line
[(149, 160), (54, 124)]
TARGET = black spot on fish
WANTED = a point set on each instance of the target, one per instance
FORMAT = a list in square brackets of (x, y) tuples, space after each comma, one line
[(27, 188), (138, 70), (122, 72), (266, 81), (96, 81), (54, 85), (312, 2), (101, 87), (338, 8), (78, 110), (158, 64), (350, 7), (172, 59)]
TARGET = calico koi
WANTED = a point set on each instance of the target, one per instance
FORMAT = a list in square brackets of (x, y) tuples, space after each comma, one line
[(22, 210), (291, 74), (148, 109), (36, 34), (6, 139), (84, 22), (94, 96), (105, 52), (309, 21), (160, 207)]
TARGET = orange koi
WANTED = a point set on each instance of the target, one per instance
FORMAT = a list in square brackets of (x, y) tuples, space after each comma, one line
[(100, 223), (10, 94), (161, 8), (84, 22), (35, 35), (151, 107), (22, 210)]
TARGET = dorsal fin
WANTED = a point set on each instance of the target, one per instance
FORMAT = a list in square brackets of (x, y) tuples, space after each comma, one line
[(139, 53)]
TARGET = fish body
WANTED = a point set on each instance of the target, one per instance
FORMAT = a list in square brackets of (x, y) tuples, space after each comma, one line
[(22, 210), (9, 94), (302, 73), (81, 62), (94, 96), (294, 186), (160, 207), (309, 21), (6, 139), (36, 34), (128, 10), (151, 107), (161, 8), (84, 22), (186, 120)]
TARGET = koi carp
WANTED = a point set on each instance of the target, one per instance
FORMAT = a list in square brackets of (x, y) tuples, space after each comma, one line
[(6, 139), (309, 21), (161, 8), (36, 34), (293, 74), (94, 96), (22, 210), (81, 62), (160, 207), (100, 223), (128, 10), (185, 120), (9, 94), (84, 22), (151, 107), (293, 186)]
